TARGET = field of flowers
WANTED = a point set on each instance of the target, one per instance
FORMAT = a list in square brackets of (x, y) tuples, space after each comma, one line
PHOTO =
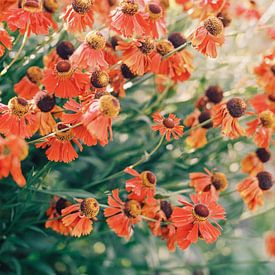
[(137, 137)]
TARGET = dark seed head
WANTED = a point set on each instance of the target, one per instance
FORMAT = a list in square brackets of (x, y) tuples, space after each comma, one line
[(166, 208), (263, 154), (225, 18), (168, 123), (201, 210), (44, 101), (271, 97), (147, 46), (177, 39), (100, 79), (81, 6), (265, 180), (204, 116), (213, 25), (236, 107), (114, 41), (126, 72), (63, 66), (61, 204), (214, 94), (65, 49)]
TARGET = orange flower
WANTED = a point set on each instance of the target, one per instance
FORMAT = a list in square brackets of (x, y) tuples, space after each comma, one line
[(127, 19), (5, 5), (253, 163), (30, 14), (226, 115), (207, 37), (262, 102), (142, 186), (79, 16), (54, 216), (99, 115), (17, 118), (121, 216), (270, 243), (65, 80), (90, 54), (137, 54), (60, 148), (212, 183), (252, 189), (168, 126), (5, 40), (28, 86), (194, 219), (261, 128), (80, 216), (13, 150)]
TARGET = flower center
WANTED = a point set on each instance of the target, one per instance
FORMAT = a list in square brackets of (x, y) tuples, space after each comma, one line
[(272, 68), (50, 6), (19, 106), (201, 212), (168, 123), (109, 106), (166, 207), (65, 135), (44, 101), (154, 10), (164, 47), (95, 40), (263, 154), (65, 49), (34, 74), (264, 180), (236, 107), (132, 209), (32, 5), (64, 68), (82, 6), (147, 46), (61, 204), (214, 94), (148, 179), (204, 116), (100, 79), (89, 207), (219, 181), (267, 118), (271, 97), (129, 7), (225, 18), (126, 72), (213, 25), (177, 39)]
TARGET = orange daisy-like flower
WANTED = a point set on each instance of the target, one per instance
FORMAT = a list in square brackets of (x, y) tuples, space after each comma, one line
[(270, 243), (207, 37), (195, 220), (65, 80), (54, 216), (28, 86), (253, 163), (252, 189), (137, 54), (90, 54), (17, 118), (13, 150), (127, 19), (99, 115), (80, 216), (168, 126), (265, 73), (213, 183), (79, 16), (60, 148), (226, 114), (263, 102), (31, 15), (121, 216), (142, 186), (5, 40), (261, 128)]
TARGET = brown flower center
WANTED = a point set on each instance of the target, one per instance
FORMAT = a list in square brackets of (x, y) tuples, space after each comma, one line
[(166, 207), (82, 6), (34, 74), (100, 79), (126, 72), (168, 123), (44, 101), (264, 180), (201, 212), (95, 40), (61, 204), (148, 179), (66, 134), (63, 67), (225, 18), (236, 107), (214, 94), (65, 49), (154, 10), (213, 25), (219, 181), (267, 118), (164, 47), (129, 7), (204, 116), (109, 105), (177, 39), (132, 209), (147, 46), (32, 5), (19, 106), (263, 154), (89, 207)]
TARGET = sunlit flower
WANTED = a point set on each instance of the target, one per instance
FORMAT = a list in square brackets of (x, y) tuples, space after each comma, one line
[(194, 220), (28, 86), (261, 128), (226, 114), (214, 94), (168, 126), (5, 41), (54, 216), (127, 19), (142, 186), (65, 80), (17, 118), (253, 163), (121, 216), (207, 37), (270, 243), (252, 189), (79, 16), (59, 147), (212, 182), (262, 102), (13, 150), (80, 216)]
